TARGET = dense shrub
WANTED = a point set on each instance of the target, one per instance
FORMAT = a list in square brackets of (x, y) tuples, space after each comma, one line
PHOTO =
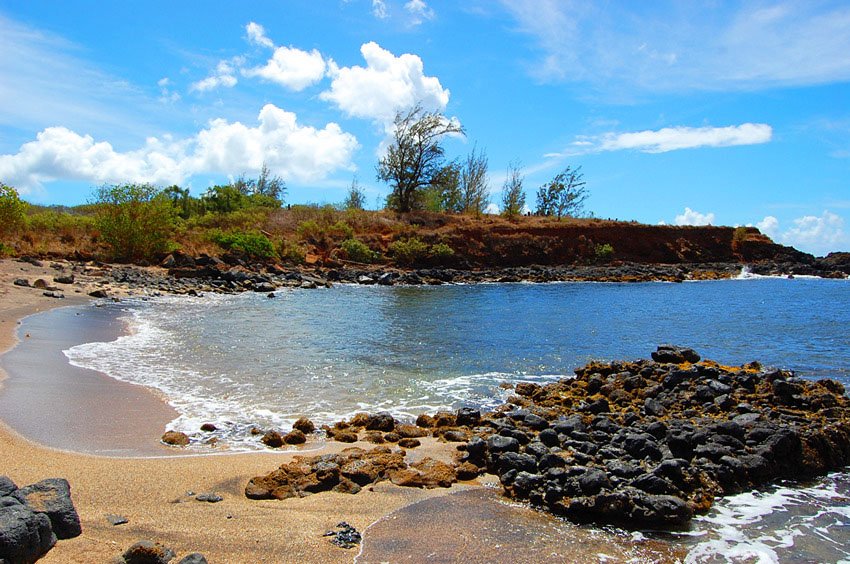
[(134, 220), (441, 252), (12, 211), (251, 243), (241, 220), (408, 251), (358, 251), (604, 253)]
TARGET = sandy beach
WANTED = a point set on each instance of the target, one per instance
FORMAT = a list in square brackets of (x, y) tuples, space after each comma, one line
[(151, 492)]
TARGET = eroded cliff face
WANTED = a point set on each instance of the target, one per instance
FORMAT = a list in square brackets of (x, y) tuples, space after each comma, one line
[(583, 242)]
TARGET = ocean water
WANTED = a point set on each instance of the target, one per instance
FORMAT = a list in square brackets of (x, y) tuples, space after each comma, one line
[(245, 360)]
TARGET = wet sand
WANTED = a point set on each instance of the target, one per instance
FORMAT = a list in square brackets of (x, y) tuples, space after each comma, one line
[(70, 408)]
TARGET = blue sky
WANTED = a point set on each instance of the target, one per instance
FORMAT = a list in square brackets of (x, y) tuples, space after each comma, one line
[(728, 113)]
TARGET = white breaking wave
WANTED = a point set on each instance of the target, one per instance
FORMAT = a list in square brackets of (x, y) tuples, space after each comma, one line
[(783, 524)]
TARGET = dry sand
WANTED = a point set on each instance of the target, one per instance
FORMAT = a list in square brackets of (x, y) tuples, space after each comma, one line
[(151, 492)]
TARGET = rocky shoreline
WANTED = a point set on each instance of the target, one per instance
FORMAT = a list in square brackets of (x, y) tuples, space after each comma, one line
[(644, 445), (185, 275)]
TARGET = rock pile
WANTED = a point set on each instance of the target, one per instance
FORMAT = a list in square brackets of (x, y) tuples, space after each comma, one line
[(643, 444), (649, 443), (33, 517), (348, 472)]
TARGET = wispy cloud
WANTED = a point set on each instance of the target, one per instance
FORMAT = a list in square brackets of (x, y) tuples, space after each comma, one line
[(44, 81), (379, 9), (687, 46), (224, 76), (419, 12), (671, 139)]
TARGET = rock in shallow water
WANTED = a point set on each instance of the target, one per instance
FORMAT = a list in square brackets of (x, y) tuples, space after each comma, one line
[(615, 461)]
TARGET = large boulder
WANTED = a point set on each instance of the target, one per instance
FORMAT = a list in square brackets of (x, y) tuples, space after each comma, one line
[(52, 497), (25, 536)]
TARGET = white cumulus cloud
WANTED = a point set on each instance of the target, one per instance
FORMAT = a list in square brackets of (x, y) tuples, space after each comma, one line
[(769, 226), (816, 234), (691, 217), (672, 139), (386, 84), (292, 68), (297, 152)]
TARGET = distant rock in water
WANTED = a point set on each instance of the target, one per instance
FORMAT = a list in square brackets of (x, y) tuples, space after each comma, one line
[(175, 438)]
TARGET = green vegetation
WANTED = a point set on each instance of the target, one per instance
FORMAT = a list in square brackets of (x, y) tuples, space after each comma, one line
[(134, 220), (12, 211), (252, 244), (440, 252), (415, 156), (358, 251), (604, 252), (324, 237), (408, 252), (141, 223), (412, 251), (356, 198), (513, 196), (564, 195)]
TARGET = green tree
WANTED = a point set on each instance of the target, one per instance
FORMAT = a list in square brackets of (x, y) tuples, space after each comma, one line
[(12, 210), (474, 188), (225, 199), (513, 196), (356, 197), (180, 199), (443, 194), (134, 220), (564, 195), (264, 191), (272, 187), (415, 155)]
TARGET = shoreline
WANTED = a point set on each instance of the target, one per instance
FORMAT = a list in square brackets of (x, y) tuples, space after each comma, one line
[(151, 492)]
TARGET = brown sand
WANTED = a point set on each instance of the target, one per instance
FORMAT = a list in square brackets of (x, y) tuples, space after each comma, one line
[(150, 492)]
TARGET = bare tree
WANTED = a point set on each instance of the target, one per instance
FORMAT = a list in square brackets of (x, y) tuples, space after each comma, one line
[(513, 196), (415, 155)]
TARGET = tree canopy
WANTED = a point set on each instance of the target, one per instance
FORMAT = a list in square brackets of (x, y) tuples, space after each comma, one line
[(415, 155), (564, 195)]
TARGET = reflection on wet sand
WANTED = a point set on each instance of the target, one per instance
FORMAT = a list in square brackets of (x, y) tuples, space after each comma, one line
[(478, 526)]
